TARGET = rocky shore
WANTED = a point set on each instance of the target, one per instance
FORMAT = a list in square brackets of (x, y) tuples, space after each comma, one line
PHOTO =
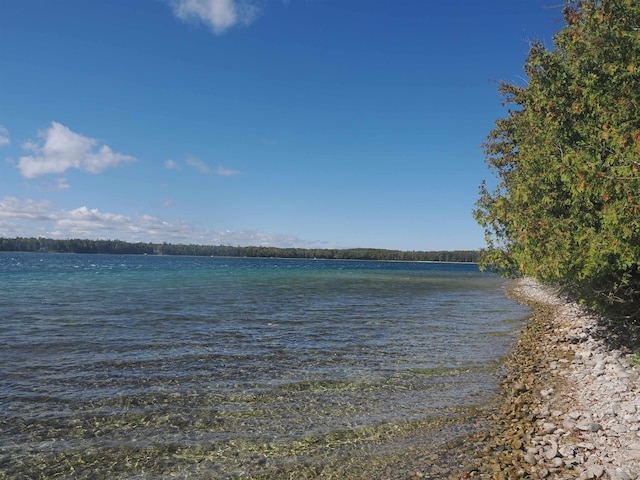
[(570, 406)]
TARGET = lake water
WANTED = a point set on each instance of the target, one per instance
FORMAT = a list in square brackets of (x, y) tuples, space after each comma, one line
[(192, 367)]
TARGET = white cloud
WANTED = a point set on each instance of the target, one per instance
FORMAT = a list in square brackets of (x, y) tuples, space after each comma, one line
[(4, 136), (61, 183), (58, 185), (27, 218), (198, 164), (260, 239), (61, 149), (201, 166), (218, 15), (171, 164), (225, 172), (268, 141), (14, 208)]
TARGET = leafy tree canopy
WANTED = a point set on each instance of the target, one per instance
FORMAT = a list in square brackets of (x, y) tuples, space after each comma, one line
[(566, 208)]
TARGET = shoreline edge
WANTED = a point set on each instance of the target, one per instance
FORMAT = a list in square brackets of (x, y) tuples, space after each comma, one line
[(570, 406)]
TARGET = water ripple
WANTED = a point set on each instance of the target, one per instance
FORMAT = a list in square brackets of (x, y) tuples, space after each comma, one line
[(168, 367)]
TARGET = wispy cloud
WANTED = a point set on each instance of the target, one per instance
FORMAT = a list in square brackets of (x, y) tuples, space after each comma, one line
[(225, 172), (268, 141), (61, 183), (58, 185), (26, 218), (14, 208), (203, 167), (60, 149), (198, 164), (261, 239), (171, 164), (4, 136), (218, 15)]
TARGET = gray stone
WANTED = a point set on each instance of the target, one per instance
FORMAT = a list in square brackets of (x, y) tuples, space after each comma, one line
[(594, 471), (552, 451), (634, 451), (567, 451), (621, 475)]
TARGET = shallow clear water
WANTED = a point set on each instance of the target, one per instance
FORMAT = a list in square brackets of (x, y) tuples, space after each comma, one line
[(186, 367)]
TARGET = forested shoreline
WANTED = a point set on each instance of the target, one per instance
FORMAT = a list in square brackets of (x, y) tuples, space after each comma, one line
[(566, 206), (47, 245)]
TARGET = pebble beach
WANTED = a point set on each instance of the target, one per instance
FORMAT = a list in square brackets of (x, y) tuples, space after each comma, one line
[(569, 404), (571, 399)]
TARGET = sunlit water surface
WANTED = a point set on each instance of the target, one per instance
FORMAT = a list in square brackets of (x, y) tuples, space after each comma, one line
[(186, 367)]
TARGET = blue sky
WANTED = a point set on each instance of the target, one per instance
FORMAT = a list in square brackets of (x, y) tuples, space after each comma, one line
[(306, 123)]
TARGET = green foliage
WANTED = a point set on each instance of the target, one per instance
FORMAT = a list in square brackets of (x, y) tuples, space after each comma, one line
[(20, 244), (566, 209)]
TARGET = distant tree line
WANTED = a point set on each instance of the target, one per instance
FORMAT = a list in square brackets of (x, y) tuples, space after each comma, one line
[(20, 244)]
